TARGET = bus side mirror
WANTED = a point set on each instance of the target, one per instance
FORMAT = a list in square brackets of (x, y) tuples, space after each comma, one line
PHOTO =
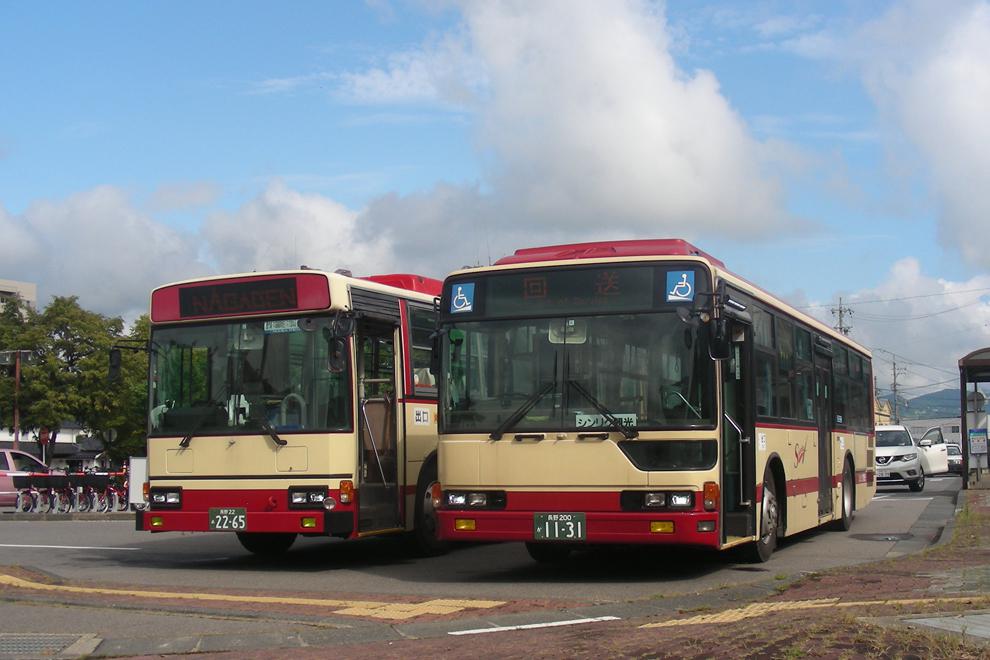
[(719, 341), (337, 355), (113, 371), (342, 325)]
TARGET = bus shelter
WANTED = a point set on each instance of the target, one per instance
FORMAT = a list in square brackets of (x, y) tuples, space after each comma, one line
[(974, 369)]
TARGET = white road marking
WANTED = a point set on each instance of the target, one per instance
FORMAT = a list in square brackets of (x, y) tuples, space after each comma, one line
[(531, 626), (65, 547)]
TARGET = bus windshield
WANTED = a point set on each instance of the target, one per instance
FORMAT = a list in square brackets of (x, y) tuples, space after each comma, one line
[(648, 371), (241, 377)]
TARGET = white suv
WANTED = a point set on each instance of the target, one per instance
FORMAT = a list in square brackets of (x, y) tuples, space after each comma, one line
[(898, 458)]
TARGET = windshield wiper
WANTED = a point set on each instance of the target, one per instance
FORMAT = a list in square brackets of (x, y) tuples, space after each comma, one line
[(613, 421), (267, 428), (211, 410), (522, 411)]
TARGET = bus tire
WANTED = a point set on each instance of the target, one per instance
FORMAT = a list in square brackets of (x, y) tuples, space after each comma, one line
[(548, 553), (268, 544), (424, 539), (760, 550), (847, 503)]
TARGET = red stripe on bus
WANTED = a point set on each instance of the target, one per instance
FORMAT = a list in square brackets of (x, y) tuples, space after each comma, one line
[(802, 486), (788, 427)]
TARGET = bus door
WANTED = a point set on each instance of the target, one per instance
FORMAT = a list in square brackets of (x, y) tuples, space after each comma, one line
[(738, 446), (378, 494), (823, 415)]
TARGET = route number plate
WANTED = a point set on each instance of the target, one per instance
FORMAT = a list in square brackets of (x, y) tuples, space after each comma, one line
[(559, 527), (234, 519)]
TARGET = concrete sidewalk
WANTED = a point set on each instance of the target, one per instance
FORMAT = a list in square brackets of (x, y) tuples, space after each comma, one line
[(928, 598)]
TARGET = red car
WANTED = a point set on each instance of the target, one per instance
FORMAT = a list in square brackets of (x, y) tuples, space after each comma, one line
[(11, 462)]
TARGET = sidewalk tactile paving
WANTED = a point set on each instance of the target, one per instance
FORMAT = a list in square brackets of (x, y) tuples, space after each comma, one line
[(22, 645)]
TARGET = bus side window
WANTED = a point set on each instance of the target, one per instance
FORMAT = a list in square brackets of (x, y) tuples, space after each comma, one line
[(421, 328)]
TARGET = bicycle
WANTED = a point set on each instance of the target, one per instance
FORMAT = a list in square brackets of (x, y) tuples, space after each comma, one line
[(97, 490), (63, 496), (27, 494), (117, 491)]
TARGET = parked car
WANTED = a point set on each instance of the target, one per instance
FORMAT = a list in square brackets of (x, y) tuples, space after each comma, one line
[(899, 460), (15, 462), (955, 459)]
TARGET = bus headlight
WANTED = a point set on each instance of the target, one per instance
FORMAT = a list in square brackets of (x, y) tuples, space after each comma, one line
[(306, 497), (459, 499), (165, 498), (681, 500), (654, 500)]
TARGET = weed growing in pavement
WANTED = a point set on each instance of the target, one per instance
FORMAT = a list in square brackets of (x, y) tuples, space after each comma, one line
[(780, 576)]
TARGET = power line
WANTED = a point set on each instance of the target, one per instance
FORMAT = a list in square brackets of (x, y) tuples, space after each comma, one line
[(883, 300), (879, 318)]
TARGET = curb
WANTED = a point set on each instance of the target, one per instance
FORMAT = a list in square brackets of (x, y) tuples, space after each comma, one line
[(14, 516)]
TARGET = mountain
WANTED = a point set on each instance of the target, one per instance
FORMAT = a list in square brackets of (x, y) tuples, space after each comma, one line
[(934, 405)]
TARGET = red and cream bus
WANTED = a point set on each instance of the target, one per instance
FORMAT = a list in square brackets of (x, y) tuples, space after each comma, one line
[(295, 402), (638, 392)]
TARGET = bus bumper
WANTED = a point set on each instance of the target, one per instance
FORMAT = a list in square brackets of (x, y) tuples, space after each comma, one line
[(318, 522), (692, 528), (247, 511)]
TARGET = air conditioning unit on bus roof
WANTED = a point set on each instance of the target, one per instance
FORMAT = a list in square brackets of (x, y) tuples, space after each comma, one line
[(632, 248)]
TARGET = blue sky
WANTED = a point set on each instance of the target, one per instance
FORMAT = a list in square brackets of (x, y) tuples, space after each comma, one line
[(820, 149)]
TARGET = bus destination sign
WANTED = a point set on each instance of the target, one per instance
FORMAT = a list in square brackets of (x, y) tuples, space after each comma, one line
[(232, 298)]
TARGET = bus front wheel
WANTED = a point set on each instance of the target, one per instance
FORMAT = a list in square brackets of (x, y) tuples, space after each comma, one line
[(424, 537), (266, 544), (760, 550)]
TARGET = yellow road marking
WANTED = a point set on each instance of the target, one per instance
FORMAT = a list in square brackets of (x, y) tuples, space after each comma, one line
[(378, 610), (759, 609)]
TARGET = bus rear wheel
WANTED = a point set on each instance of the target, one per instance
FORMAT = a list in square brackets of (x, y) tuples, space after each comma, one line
[(848, 500), (266, 544), (548, 553), (760, 550)]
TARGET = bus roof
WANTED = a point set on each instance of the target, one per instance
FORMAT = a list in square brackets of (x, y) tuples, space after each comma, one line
[(660, 247), (280, 292), (655, 247), (408, 281)]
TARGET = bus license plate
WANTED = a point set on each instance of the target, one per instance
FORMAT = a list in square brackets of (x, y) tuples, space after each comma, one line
[(559, 527), (228, 519)]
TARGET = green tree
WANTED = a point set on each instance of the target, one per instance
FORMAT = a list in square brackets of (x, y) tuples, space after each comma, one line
[(67, 379)]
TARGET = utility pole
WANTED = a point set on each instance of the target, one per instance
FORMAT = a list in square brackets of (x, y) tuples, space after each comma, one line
[(841, 313), (893, 385), (5, 359)]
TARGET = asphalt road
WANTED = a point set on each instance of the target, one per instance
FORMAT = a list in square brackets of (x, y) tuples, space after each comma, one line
[(112, 552)]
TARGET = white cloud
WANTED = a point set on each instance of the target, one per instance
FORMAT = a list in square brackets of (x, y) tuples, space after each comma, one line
[(96, 245), (587, 126), (283, 228), (928, 322), (925, 66)]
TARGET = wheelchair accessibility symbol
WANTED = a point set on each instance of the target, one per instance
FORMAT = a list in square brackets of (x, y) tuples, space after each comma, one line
[(462, 298), (680, 286)]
